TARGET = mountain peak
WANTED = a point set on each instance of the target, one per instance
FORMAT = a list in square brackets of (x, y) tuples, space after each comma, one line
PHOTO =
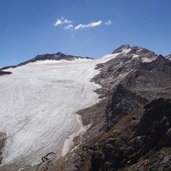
[(135, 52)]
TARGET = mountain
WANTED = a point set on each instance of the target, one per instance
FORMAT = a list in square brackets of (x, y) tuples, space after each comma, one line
[(123, 99)]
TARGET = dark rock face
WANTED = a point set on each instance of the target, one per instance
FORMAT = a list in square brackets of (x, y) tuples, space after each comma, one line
[(147, 138), (2, 142), (152, 80), (5, 72), (155, 124), (122, 102), (57, 56)]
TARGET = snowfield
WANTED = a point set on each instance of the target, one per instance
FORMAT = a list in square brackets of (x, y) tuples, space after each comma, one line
[(38, 105)]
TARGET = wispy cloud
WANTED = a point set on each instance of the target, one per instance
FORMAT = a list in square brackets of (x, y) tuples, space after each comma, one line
[(108, 22), (89, 25), (69, 27), (62, 21), (68, 24)]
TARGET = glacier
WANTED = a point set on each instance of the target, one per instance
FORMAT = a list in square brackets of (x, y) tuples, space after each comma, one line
[(38, 105)]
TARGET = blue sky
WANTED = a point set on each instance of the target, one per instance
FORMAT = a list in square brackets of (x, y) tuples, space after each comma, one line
[(96, 27)]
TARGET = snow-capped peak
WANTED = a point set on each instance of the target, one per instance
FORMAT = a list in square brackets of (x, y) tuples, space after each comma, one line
[(135, 52)]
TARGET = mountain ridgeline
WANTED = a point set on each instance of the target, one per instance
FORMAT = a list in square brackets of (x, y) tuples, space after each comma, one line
[(56, 57), (129, 128)]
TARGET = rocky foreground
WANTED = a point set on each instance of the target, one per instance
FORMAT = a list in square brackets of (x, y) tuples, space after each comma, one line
[(130, 128)]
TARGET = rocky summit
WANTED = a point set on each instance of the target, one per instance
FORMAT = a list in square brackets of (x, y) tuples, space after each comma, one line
[(129, 127)]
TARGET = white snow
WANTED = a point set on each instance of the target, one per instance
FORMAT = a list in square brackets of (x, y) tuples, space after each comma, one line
[(109, 57), (38, 105), (127, 50), (140, 50), (147, 60), (135, 56), (143, 59)]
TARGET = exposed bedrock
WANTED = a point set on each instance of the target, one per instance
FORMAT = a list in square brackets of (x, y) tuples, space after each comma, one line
[(2, 142), (5, 72)]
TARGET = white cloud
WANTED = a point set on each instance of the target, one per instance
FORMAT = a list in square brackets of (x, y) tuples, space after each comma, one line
[(89, 25), (108, 22), (69, 27), (61, 21)]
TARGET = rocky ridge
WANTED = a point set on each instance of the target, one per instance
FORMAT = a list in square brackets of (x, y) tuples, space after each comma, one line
[(57, 56), (2, 142)]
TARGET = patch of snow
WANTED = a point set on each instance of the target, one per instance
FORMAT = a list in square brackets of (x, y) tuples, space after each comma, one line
[(140, 50), (114, 55), (147, 60), (127, 50), (109, 57), (135, 56), (69, 141)]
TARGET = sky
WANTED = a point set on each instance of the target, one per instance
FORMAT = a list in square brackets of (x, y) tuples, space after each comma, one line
[(90, 28)]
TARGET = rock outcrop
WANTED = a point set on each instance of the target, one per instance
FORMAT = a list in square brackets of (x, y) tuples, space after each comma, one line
[(2, 142), (138, 144), (5, 72)]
